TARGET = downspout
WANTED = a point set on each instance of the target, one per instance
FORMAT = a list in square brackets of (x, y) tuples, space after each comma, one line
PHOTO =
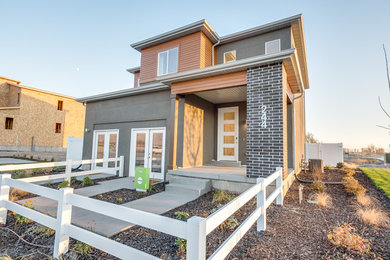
[(212, 52)]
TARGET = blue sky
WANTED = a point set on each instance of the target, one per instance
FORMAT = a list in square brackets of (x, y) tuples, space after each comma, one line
[(82, 48)]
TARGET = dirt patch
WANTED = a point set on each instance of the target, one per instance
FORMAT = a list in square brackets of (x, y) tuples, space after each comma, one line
[(126, 195), (294, 231)]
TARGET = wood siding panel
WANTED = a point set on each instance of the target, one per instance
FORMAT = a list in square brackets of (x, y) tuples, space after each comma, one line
[(205, 51), (189, 56), (209, 83), (193, 136)]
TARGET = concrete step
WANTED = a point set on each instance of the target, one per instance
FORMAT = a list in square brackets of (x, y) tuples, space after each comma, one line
[(190, 188), (226, 163), (187, 180)]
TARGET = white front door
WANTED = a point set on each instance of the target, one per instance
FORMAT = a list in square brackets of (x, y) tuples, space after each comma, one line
[(147, 150), (105, 145), (228, 134)]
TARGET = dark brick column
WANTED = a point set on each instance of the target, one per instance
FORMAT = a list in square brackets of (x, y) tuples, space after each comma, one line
[(265, 120)]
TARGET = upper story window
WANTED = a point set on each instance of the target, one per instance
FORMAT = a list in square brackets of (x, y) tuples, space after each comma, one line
[(272, 46), (9, 122), (58, 128), (229, 56), (167, 62), (18, 99), (60, 105)]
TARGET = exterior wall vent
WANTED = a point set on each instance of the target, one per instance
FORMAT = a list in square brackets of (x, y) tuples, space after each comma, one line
[(272, 46)]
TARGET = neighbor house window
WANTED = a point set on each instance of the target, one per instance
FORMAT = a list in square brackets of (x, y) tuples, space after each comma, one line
[(58, 128), (60, 104), (272, 46), (9, 122), (229, 56), (167, 62)]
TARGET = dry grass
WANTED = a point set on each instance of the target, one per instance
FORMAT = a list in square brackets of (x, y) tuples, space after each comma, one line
[(350, 166), (345, 235), (317, 174), (349, 172), (353, 186), (363, 199), (373, 216), (323, 199), (16, 194)]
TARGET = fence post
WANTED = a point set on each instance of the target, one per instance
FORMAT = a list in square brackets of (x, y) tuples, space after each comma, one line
[(4, 196), (196, 238), (121, 165), (279, 185), (64, 217), (261, 198), (68, 170)]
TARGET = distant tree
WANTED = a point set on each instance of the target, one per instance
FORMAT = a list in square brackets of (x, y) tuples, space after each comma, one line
[(310, 138)]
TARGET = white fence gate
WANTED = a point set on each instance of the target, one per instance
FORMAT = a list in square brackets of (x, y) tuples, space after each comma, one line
[(194, 230), (330, 153)]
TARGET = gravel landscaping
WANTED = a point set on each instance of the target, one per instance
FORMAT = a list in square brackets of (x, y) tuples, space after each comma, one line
[(294, 231)]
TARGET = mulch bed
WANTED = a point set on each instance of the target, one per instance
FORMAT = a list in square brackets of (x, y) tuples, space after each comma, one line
[(294, 231), (126, 195), (78, 184)]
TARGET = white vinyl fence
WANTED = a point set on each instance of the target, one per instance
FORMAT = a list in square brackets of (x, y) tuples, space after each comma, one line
[(194, 230), (330, 153)]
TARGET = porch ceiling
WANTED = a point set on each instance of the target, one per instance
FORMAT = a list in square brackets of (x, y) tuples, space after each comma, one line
[(225, 95)]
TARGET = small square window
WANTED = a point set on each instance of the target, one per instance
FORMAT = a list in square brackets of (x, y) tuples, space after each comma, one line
[(229, 56), (272, 46), (60, 105), (58, 128), (9, 122)]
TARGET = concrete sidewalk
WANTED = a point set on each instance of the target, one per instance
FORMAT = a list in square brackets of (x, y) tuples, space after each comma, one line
[(158, 203)]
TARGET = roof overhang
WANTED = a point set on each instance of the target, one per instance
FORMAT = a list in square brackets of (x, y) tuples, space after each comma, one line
[(153, 87), (12, 80), (201, 25), (40, 90), (134, 70)]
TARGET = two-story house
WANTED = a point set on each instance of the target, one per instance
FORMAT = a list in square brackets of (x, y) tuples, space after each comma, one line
[(203, 99), (36, 120)]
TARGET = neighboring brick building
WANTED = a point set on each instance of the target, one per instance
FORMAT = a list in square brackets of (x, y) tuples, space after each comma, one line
[(38, 120)]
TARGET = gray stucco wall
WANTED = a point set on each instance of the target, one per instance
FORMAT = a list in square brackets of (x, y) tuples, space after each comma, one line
[(146, 110), (254, 46)]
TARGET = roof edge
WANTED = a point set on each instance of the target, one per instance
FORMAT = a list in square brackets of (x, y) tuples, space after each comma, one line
[(134, 69)]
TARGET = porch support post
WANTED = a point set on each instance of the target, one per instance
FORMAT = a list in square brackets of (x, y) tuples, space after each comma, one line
[(180, 131), (173, 133)]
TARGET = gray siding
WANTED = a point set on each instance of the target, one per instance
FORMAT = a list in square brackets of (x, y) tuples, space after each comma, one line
[(146, 110), (255, 45)]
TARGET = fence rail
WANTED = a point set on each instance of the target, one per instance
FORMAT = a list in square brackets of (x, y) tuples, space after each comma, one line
[(194, 230)]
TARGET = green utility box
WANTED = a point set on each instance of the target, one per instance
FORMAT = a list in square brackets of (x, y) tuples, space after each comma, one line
[(141, 180), (387, 157)]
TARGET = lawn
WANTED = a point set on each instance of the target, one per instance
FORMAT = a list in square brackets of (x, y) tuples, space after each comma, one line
[(380, 177)]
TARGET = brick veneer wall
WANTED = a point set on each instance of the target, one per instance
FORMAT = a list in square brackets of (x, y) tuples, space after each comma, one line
[(266, 144)]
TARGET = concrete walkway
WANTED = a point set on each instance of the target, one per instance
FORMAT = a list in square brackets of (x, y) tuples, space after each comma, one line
[(158, 203), (7, 160)]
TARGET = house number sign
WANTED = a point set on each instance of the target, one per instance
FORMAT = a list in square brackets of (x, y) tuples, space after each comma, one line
[(263, 116)]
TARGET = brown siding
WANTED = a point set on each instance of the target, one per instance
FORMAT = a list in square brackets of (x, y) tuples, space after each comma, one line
[(189, 55), (136, 77), (209, 83), (205, 51)]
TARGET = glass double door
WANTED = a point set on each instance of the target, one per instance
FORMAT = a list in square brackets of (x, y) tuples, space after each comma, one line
[(105, 146), (148, 151)]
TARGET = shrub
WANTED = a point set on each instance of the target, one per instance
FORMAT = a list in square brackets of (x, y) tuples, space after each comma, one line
[(73, 180), (87, 182), (340, 165), (317, 174), (82, 248), (119, 200), (318, 186), (345, 236), (231, 223), (52, 159), (182, 244), (19, 175), (31, 157), (222, 196), (48, 184), (6, 257), (353, 186), (349, 172), (37, 170), (327, 167), (63, 184), (182, 215), (23, 220), (363, 199), (323, 199), (24, 155), (46, 231), (141, 195), (100, 196), (373, 216)]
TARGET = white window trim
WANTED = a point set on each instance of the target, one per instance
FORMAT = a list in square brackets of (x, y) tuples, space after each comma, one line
[(158, 61), (224, 59), (265, 45)]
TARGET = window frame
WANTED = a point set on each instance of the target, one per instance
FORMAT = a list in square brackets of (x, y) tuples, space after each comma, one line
[(224, 57), (276, 40), (60, 108), (7, 125), (58, 129), (158, 62)]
